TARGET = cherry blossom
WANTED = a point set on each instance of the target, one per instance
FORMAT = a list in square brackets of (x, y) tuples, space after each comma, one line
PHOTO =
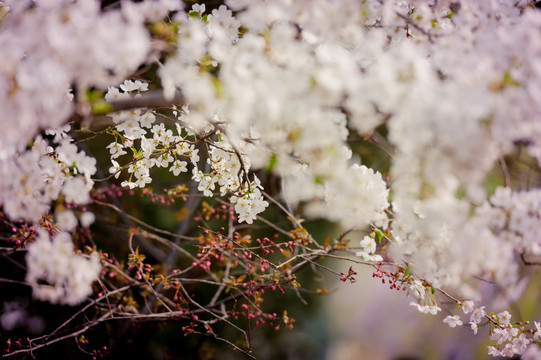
[(58, 275), (453, 321)]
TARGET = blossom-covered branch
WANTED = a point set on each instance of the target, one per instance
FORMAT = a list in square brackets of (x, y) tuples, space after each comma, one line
[(411, 126)]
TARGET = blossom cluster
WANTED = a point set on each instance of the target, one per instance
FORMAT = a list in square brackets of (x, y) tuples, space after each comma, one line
[(58, 275), (227, 165), (49, 45), (49, 170), (288, 93), (510, 340)]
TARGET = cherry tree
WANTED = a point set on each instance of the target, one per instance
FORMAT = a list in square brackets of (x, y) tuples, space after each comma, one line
[(410, 125)]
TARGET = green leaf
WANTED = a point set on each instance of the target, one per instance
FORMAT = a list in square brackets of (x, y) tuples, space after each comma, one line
[(101, 107), (407, 271), (93, 95), (379, 234), (508, 80), (272, 162), (217, 86), (460, 193), (136, 154), (433, 290)]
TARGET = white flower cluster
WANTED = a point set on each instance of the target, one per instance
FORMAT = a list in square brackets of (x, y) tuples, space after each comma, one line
[(510, 340), (516, 217), (230, 169), (431, 309), (302, 81), (32, 180), (228, 165), (434, 227), (55, 273), (368, 246), (47, 45), (425, 298), (290, 91), (440, 246)]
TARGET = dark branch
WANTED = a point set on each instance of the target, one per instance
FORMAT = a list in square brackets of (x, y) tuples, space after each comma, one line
[(152, 100)]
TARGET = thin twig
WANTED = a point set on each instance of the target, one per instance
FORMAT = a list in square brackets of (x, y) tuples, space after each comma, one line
[(506, 176), (71, 335), (204, 309), (136, 220)]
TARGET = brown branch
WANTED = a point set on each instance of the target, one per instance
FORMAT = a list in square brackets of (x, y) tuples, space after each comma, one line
[(151, 99), (71, 335), (505, 172), (204, 309), (414, 25)]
